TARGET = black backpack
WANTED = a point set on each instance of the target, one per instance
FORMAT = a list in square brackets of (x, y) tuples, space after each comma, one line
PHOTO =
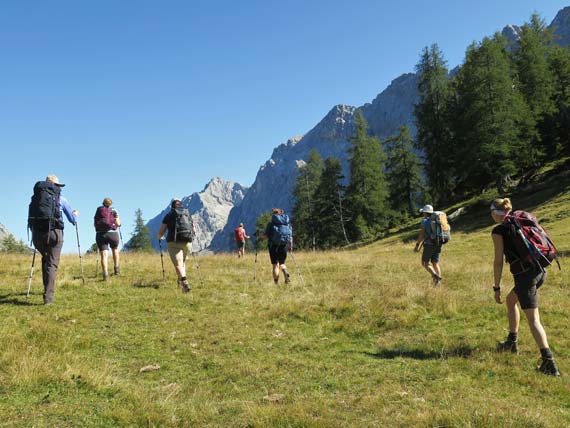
[(44, 212), (183, 230)]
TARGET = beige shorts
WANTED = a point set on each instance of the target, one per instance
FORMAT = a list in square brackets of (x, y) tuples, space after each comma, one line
[(178, 252)]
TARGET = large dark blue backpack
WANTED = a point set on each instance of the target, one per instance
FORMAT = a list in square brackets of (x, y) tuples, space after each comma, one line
[(282, 231), (44, 213), (183, 230)]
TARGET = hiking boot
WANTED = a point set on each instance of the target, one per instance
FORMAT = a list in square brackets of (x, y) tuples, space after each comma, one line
[(105, 276), (436, 278), (276, 281), (117, 270), (185, 286), (508, 346), (548, 367), (287, 277)]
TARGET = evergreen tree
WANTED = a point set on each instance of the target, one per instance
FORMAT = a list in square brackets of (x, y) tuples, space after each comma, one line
[(304, 194), (11, 245), (432, 121), (367, 192), (559, 122), (493, 126), (260, 225), (140, 238), (536, 81), (403, 172), (329, 207)]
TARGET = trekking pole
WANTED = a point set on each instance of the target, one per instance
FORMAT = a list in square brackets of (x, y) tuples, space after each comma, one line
[(162, 263), (31, 274), (196, 260), (255, 264), (122, 244), (79, 251), (297, 268)]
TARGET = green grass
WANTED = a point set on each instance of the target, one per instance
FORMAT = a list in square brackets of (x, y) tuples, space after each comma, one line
[(365, 342)]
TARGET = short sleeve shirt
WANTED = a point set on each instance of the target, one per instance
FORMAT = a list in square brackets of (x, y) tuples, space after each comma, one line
[(169, 220)]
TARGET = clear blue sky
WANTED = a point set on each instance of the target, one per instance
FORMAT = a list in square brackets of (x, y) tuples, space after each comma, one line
[(145, 100)]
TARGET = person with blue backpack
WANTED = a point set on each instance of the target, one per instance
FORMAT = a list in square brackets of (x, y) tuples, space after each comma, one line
[(279, 234), (45, 220), (434, 233), (107, 222)]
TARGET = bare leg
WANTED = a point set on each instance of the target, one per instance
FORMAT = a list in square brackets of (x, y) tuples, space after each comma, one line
[(536, 328), (276, 270), (104, 262), (513, 312), (429, 268), (115, 252), (437, 268)]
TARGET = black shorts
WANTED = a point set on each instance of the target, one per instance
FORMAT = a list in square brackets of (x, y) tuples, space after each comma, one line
[(240, 244), (278, 254), (526, 286), (107, 239), (431, 253)]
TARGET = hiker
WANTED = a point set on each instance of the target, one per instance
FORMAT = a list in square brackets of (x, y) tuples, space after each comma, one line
[(528, 277), (240, 236), (107, 222), (432, 247), (280, 236), (46, 223), (181, 229)]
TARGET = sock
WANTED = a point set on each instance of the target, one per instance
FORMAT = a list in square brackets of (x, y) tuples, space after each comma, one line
[(546, 354), (513, 337)]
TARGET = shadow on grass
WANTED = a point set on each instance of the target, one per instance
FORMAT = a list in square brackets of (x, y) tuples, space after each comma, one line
[(141, 284), (12, 299), (463, 351)]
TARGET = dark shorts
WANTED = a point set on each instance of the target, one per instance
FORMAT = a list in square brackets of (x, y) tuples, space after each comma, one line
[(526, 286), (107, 239), (278, 254), (431, 253), (240, 244)]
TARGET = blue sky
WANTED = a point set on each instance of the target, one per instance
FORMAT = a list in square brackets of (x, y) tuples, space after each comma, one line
[(145, 100)]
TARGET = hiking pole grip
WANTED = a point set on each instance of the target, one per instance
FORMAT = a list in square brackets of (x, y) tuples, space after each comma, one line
[(31, 275)]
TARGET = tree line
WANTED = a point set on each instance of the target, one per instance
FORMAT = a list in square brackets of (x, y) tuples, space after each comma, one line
[(492, 123)]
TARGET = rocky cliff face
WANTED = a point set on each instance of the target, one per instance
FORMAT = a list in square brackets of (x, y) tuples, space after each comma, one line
[(561, 26), (276, 178), (3, 232), (209, 209)]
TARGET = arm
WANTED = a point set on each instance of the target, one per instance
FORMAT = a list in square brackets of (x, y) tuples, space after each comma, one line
[(420, 239), (117, 219), (497, 265), (161, 231), (69, 213)]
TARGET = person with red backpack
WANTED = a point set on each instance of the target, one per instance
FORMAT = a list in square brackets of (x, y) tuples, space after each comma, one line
[(45, 220), (107, 222), (240, 236), (526, 246)]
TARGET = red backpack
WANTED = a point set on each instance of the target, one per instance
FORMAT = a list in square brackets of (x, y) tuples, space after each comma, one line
[(105, 219), (532, 243), (239, 233)]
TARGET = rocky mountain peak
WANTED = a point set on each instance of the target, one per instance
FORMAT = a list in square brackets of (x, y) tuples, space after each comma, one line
[(561, 26)]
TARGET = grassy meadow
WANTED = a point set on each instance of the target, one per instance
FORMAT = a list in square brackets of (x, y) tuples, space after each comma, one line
[(364, 341)]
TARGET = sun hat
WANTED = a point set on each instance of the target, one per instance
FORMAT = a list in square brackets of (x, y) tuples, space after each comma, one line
[(53, 179), (427, 209)]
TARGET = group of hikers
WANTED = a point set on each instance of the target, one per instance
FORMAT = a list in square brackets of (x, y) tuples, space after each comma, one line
[(517, 238)]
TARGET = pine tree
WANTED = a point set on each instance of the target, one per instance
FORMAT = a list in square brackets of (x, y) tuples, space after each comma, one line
[(536, 81), (140, 238), (403, 172), (260, 225), (493, 126), (432, 121), (304, 194), (367, 192), (329, 207), (11, 245), (559, 122)]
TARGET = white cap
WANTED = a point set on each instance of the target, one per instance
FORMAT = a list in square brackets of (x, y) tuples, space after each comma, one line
[(428, 209)]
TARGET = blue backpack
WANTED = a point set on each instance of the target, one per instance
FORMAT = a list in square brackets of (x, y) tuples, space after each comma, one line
[(282, 231)]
